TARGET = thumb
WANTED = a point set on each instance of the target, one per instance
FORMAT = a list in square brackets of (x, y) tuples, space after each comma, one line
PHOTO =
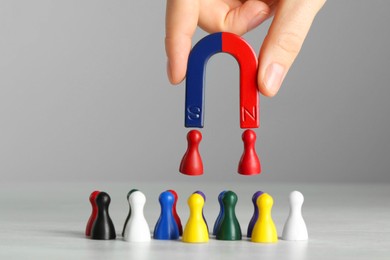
[(283, 42)]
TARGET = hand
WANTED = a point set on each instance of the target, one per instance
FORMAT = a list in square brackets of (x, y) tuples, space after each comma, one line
[(291, 22)]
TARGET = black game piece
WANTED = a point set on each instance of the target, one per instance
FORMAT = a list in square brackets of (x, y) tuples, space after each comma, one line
[(103, 228)]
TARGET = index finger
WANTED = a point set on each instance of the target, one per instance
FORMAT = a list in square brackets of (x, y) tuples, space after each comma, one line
[(180, 25)]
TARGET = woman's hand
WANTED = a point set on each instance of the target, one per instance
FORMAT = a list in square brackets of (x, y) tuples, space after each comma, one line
[(291, 22)]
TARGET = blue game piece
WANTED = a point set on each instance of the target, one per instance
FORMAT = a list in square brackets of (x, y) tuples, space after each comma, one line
[(196, 67), (221, 211), (204, 197), (166, 227), (255, 216)]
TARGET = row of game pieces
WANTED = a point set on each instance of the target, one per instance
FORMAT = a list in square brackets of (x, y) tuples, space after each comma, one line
[(261, 228)]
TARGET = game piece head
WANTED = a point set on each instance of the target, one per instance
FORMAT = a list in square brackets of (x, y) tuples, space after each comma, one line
[(166, 198), (255, 196), (201, 194), (138, 198), (220, 196), (194, 136), (195, 201), (93, 196), (249, 136), (103, 199), (129, 193), (264, 201), (174, 193), (296, 199), (229, 198)]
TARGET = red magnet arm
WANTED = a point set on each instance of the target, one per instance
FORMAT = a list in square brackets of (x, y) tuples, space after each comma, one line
[(247, 60)]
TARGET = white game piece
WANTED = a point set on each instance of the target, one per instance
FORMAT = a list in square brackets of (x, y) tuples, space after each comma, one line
[(137, 230), (295, 227)]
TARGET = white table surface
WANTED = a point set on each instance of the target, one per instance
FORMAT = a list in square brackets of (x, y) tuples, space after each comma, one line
[(47, 221)]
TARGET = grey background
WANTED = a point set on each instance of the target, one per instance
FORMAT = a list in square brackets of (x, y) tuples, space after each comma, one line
[(84, 97)]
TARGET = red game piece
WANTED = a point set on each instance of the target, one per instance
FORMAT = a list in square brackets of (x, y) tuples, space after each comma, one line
[(249, 163), (192, 164), (174, 211), (92, 199)]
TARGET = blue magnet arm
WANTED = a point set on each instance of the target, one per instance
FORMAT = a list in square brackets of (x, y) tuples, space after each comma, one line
[(197, 60)]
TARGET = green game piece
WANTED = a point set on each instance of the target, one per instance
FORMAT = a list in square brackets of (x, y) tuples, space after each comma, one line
[(230, 228)]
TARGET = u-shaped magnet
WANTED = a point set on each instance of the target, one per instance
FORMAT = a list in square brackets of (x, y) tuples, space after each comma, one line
[(195, 87)]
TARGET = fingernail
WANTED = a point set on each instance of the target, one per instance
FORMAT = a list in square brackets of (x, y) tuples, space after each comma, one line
[(273, 78), (258, 19)]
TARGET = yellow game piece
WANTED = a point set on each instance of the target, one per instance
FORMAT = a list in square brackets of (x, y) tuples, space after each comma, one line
[(195, 230), (264, 230)]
